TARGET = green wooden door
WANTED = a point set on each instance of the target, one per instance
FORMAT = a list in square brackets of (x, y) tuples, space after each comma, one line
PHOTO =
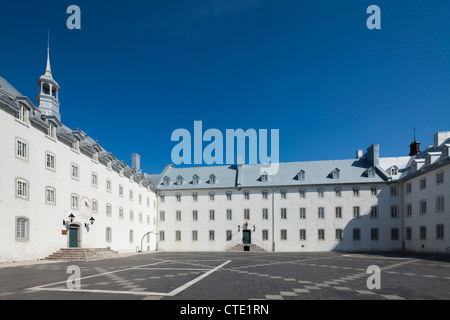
[(73, 237), (246, 237)]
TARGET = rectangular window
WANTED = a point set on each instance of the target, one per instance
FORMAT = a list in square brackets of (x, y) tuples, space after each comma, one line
[(374, 234), (211, 215), (162, 198), (302, 213), (320, 193), (50, 195), (21, 229), (423, 232), (194, 235), (50, 161), (178, 197), (194, 197), (22, 188), (283, 214), (440, 177), (108, 185), (94, 181), (321, 234), (356, 234), (228, 235), (373, 191), (120, 190), (283, 194), (423, 183), (338, 212), (194, 215), (339, 234), (283, 233), (356, 211), (338, 192), (408, 187), (162, 216), (75, 174), (211, 235), (177, 235), (108, 210), (74, 201), (356, 191), (394, 234), (121, 213), (408, 233), (21, 149), (302, 193), (265, 234), (320, 213), (178, 215), (394, 212), (229, 214), (131, 195), (131, 215), (246, 195), (211, 196), (302, 234), (374, 212), (394, 191), (246, 214), (162, 235), (439, 203), (228, 196), (265, 214), (264, 194), (408, 209), (95, 206), (423, 207), (439, 232)]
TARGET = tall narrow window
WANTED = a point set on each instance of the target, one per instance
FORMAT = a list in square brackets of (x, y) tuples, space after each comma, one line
[(228, 195), (21, 149), (247, 214), (320, 213), (74, 201), (22, 188), (338, 212), (50, 195), (394, 212), (423, 207), (439, 203), (356, 211), (283, 214), (94, 181), (302, 213), (229, 214), (374, 212), (320, 192), (265, 214), (22, 229), (283, 194), (211, 215)]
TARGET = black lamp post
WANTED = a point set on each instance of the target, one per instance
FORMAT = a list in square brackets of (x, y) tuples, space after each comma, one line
[(91, 220), (71, 217)]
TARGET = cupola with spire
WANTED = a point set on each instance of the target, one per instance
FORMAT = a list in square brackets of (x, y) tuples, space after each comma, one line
[(48, 101), (414, 147)]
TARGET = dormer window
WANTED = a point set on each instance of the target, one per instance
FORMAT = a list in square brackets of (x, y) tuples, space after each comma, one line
[(195, 179), (166, 181), (24, 114), (95, 156), (414, 166), (179, 180), (51, 131), (336, 173), (428, 160), (445, 152), (76, 144), (264, 177), (371, 172), (212, 179), (301, 175), (394, 171)]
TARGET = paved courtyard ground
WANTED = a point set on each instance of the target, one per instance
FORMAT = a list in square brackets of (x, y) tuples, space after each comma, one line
[(231, 276)]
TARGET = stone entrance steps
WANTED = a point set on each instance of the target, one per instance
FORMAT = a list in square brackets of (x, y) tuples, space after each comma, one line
[(82, 254), (251, 248)]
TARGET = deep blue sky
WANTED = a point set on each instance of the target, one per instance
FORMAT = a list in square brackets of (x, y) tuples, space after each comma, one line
[(138, 70)]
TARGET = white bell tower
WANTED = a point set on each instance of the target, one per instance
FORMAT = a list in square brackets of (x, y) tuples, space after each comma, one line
[(47, 98)]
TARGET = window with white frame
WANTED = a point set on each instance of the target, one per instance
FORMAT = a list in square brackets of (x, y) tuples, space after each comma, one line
[(131, 236), (338, 192), (24, 114), (338, 213), (94, 179), (264, 194), (22, 228), (301, 175), (140, 217), (302, 214), (320, 192), (302, 233), (395, 234), (408, 188), (94, 206), (321, 234), (131, 216), (439, 232), (423, 183), (194, 215), (394, 191), (194, 235), (228, 195), (21, 149), (108, 236), (51, 131), (211, 196), (131, 195), (246, 214), (108, 210), (229, 214), (321, 213), (211, 215), (76, 144), (373, 191), (283, 214), (211, 235), (356, 212), (336, 174), (108, 185), (265, 234), (283, 234), (178, 197), (74, 201), (408, 209), (50, 162), (283, 193), (338, 234), (194, 197), (177, 235), (161, 198), (162, 235), (408, 233), (120, 213), (50, 195), (356, 234), (302, 193), (74, 171), (195, 179), (162, 215), (423, 207), (423, 232), (228, 235), (22, 188), (120, 190), (394, 212), (178, 215), (356, 191), (374, 212), (264, 177), (166, 181), (371, 172), (246, 195), (265, 214), (212, 179)]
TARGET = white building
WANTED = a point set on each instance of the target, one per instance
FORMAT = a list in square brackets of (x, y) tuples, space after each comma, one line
[(49, 172)]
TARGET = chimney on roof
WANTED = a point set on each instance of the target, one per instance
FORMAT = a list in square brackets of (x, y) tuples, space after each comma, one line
[(359, 153), (136, 162)]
